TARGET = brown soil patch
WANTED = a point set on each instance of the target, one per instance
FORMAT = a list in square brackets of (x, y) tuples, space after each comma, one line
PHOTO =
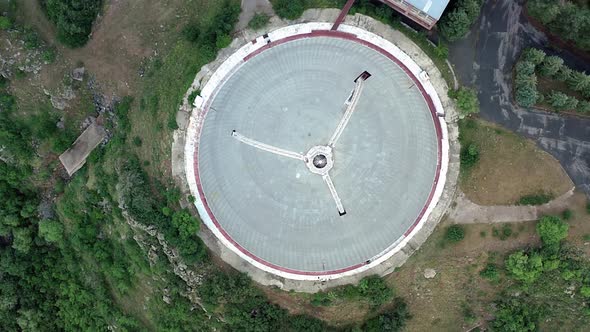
[(509, 168), (340, 313), (126, 33)]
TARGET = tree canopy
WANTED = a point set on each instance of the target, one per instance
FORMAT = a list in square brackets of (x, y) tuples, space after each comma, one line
[(73, 19)]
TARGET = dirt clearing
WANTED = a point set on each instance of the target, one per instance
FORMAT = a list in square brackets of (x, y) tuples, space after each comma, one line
[(509, 167)]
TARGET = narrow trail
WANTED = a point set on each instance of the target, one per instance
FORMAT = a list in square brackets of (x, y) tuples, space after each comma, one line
[(467, 212)]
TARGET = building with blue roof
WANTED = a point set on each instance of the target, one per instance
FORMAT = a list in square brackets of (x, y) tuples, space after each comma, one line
[(424, 12)]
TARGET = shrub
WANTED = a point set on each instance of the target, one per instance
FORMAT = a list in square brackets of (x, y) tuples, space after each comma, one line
[(5, 23), (490, 272), (564, 74), (533, 55), (457, 22), (526, 83), (567, 214), (441, 51), (73, 19), (31, 38), (48, 55), (321, 299), (223, 41), (455, 233), (217, 35), (469, 156), (583, 107), (466, 100), (552, 230), (525, 67), (185, 223), (391, 321), (526, 93), (559, 100), (550, 66), (524, 267), (191, 32), (506, 232), (51, 231), (585, 291), (259, 21), (566, 19), (578, 81), (374, 290), (535, 199), (515, 316), (289, 9), (137, 141)]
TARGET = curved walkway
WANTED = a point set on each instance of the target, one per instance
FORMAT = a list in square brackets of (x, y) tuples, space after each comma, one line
[(467, 212), (485, 59)]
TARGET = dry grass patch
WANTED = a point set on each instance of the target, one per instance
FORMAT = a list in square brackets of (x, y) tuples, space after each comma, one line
[(509, 167)]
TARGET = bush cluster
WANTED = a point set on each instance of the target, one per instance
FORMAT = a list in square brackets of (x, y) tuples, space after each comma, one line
[(543, 274), (391, 321), (247, 309), (535, 199), (533, 62), (73, 19), (217, 33), (469, 156), (454, 233), (457, 22), (259, 21), (466, 100), (372, 290), (566, 19), (289, 9)]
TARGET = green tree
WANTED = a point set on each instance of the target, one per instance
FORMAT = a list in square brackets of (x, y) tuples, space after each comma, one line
[(552, 230), (526, 94), (375, 290), (289, 9), (51, 231), (73, 19), (186, 224), (466, 100), (564, 74), (22, 239), (5, 23), (525, 68), (533, 55), (455, 233), (579, 81), (469, 156), (546, 12), (258, 21), (551, 65), (514, 316), (583, 107), (557, 99), (572, 103), (457, 22), (525, 267), (490, 272), (390, 321)]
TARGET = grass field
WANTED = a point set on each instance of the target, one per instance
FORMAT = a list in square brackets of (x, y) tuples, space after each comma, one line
[(509, 167)]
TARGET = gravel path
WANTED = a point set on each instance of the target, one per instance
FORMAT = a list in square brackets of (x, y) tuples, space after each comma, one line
[(467, 212)]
